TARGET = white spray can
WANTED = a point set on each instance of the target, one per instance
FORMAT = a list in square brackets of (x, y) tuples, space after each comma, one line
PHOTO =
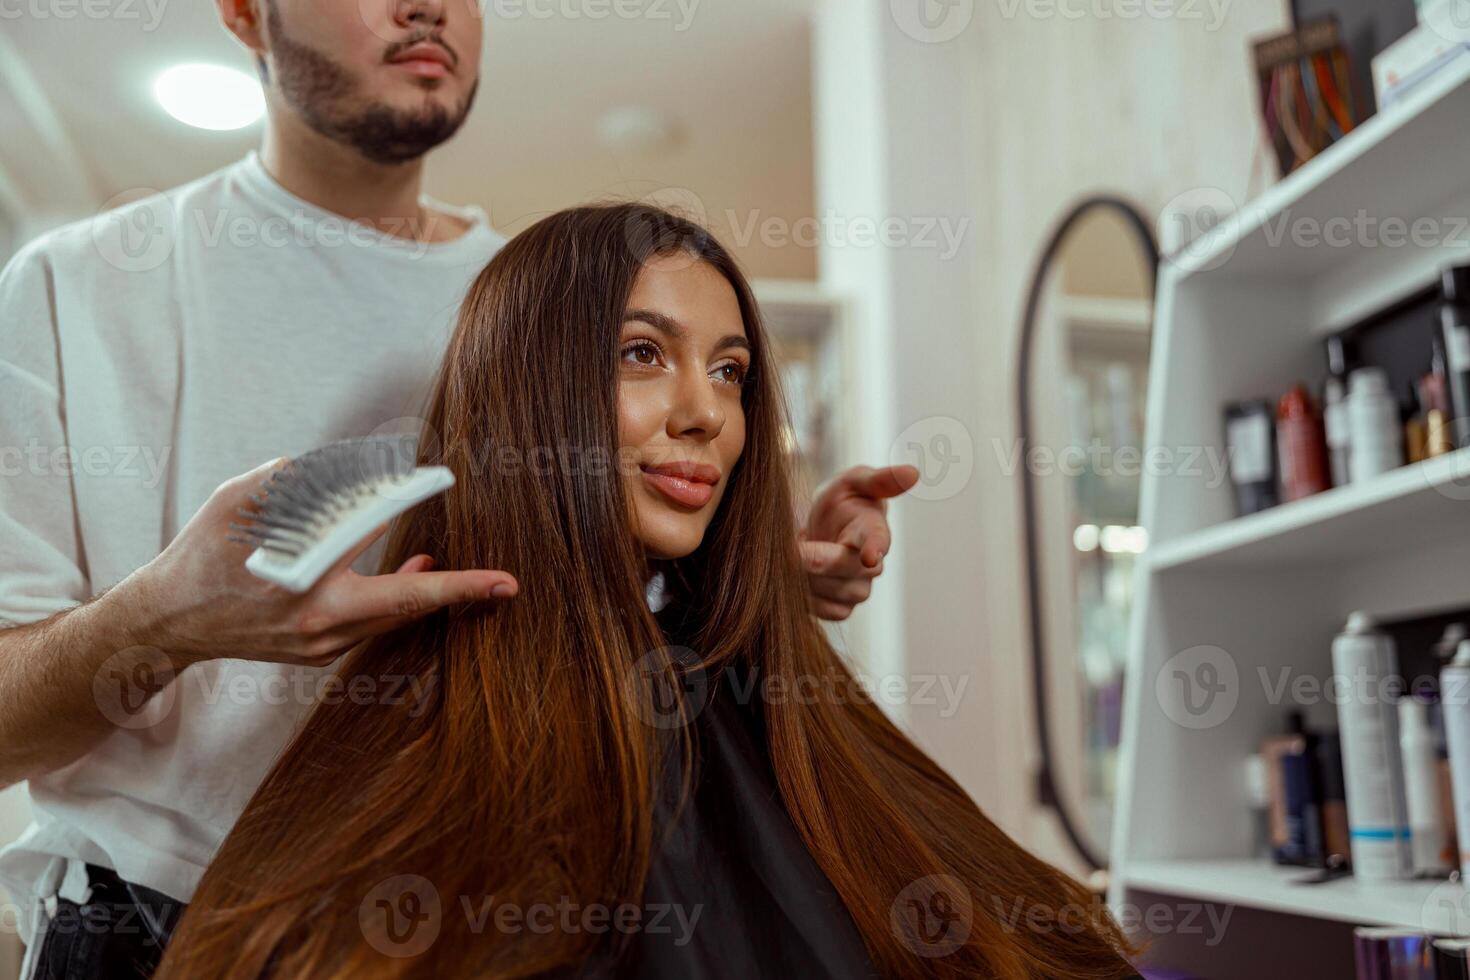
[(1454, 692), (1421, 788), (1366, 669)]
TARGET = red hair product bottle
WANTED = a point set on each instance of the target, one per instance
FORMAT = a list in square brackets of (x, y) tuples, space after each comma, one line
[(1302, 444)]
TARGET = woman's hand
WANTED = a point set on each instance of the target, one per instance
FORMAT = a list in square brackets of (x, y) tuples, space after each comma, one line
[(846, 536)]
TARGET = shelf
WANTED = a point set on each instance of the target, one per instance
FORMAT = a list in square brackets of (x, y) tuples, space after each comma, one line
[(1434, 906), (1404, 163), (1413, 506)]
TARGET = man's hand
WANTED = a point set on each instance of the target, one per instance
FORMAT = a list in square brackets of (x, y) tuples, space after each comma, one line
[(200, 603), (846, 536)]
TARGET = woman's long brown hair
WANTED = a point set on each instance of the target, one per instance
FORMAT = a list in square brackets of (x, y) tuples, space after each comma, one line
[(525, 769)]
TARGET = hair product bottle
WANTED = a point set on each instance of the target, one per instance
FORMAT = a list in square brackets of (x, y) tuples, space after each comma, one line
[(1454, 687), (1302, 445), (1250, 435), (1421, 787), (1366, 668), (1373, 418), (1454, 318)]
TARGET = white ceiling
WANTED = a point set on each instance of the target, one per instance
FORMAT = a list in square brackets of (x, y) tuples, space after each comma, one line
[(736, 80)]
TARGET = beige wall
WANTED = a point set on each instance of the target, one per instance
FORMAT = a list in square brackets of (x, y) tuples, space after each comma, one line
[(1002, 124), (1148, 109)]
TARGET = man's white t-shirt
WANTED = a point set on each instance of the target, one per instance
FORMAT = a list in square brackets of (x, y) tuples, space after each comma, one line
[(146, 356)]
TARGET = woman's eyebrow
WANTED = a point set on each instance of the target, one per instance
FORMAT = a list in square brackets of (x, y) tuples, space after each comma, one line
[(670, 327)]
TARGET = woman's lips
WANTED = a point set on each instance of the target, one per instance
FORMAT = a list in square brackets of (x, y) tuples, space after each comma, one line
[(688, 486)]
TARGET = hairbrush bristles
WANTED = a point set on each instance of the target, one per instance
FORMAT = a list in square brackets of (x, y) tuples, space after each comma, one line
[(319, 505)]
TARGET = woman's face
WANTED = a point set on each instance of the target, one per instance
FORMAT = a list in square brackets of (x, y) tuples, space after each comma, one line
[(682, 362)]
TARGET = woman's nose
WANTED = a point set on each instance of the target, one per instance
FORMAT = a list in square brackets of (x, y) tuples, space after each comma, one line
[(697, 408)]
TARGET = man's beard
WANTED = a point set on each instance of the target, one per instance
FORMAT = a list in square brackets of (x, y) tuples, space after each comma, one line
[(322, 91)]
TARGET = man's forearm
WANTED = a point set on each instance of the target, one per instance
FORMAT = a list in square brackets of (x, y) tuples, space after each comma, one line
[(68, 681)]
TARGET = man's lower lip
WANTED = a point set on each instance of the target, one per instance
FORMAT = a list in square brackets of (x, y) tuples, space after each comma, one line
[(424, 67), (686, 492)]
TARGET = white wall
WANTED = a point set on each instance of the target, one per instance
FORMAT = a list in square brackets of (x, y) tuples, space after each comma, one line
[(1001, 112)]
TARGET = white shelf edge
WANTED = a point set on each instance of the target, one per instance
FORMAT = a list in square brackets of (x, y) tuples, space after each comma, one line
[(1239, 532), (1254, 214), (1431, 905)]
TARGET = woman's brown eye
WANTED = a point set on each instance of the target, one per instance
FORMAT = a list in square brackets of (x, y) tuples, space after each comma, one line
[(643, 354)]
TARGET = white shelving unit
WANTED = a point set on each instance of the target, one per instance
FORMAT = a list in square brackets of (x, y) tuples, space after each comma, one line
[(1259, 598)]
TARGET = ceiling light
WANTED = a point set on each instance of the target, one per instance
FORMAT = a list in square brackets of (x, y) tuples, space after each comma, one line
[(210, 96), (638, 129)]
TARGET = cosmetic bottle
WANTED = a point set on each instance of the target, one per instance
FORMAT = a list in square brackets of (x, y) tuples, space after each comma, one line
[(1336, 833), (1302, 444), (1373, 420), (1454, 688), (1416, 427), (1258, 798), (1334, 409), (1421, 786), (1250, 436), (1451, 959), (1454, 318), (1439, 429), (1365, 665)]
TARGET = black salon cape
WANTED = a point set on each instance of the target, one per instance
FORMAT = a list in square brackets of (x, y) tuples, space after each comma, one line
[(765, 907)]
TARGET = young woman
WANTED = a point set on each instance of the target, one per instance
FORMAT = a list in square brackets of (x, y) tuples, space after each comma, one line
[(652, 763)]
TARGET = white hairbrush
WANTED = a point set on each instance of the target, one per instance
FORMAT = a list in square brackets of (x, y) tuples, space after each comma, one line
[(319, 505)]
